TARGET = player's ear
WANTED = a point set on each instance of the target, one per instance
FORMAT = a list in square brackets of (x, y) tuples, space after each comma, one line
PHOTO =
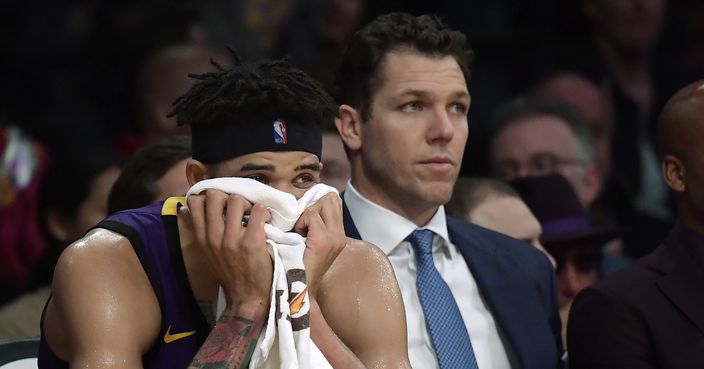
[(674, 173), (349, 124), (195, 171)]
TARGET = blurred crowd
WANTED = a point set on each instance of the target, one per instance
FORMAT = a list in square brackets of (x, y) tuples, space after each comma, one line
[(568, 87)]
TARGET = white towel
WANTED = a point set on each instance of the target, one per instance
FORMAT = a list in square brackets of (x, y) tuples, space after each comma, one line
[(287, 326)]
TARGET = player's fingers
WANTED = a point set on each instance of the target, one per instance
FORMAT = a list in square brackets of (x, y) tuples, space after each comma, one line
[(196, 208), (301, 226), (310, 224), (254, 234), (331, 210), (237, 207), (215, 204)]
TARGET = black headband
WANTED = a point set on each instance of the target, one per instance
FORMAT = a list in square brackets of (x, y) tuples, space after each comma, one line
[(216, 143)]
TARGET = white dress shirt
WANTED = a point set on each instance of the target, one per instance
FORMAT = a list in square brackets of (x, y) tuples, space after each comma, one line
[(389, 230)]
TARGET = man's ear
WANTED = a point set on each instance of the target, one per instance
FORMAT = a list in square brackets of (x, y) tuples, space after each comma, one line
[(349, 124), (195, 171), (673, 172)]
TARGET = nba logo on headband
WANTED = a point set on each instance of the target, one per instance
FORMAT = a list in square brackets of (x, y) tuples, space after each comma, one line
[(280, 136)]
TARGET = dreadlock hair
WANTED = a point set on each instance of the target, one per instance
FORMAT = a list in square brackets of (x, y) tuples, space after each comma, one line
[(254, 89)]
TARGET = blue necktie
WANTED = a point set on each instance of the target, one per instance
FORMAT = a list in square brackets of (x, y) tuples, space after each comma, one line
[(450, 339)]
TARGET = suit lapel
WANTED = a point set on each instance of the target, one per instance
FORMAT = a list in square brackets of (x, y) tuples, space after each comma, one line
[(506, 291), (683, 279), (350, 229)]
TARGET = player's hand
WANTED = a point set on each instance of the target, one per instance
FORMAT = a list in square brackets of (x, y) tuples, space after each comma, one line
[(323, 226), (237, 253)]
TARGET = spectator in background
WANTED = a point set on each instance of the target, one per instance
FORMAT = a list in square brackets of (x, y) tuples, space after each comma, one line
[(495, 205), (336, 166), (316, 36), (651, 315), (73, 198), (22, 165), (591, 102), (534, 137), (691, 37), (625, 36), (568, 235), (153, 173), (162, 79), (250, 26)]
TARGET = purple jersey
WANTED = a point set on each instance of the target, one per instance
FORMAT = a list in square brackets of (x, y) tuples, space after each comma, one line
[(153, 233)]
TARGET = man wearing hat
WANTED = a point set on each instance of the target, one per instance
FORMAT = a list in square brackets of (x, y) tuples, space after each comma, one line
[(567, 234)]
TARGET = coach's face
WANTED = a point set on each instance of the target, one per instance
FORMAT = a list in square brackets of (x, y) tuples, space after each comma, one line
[(410, 150)]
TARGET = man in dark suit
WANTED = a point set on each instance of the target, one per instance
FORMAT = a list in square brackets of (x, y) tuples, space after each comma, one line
[(473, 298), (651, 315)]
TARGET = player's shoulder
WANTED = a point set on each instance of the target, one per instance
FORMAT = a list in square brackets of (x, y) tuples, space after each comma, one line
[(96, 245), (359, 260), (100, 253), (361, 249), (96, 274), (363, 252)]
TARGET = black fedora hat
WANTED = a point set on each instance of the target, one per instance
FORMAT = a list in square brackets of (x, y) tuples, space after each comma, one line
[(555, 204)]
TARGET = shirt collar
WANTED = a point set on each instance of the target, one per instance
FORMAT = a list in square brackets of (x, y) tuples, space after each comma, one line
[(382, 226)]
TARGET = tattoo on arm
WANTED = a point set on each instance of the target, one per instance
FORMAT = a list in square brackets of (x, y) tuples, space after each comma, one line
[(229, 345)]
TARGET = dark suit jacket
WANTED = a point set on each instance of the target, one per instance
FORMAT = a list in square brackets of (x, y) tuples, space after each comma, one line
[(650, 315), (518, 286)]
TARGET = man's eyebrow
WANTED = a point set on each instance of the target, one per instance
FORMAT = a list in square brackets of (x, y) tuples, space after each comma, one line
[(251, 167), (412, 92), (459, 94), (309, 166)]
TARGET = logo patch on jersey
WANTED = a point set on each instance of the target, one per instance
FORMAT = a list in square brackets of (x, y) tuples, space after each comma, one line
[(168, 337), (280, 136)]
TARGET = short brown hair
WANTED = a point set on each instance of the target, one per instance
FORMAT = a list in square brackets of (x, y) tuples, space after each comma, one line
[(358, 77)]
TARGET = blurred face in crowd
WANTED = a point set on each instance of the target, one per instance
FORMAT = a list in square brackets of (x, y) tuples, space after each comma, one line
[(341, 18), (162, 79), (407, 155), (509, 215), (591, 102), (541, 145), (336, 167), (577, 268), (630, 25)]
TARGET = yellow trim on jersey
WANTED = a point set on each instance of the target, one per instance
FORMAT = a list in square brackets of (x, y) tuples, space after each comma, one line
[(171, 205)]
